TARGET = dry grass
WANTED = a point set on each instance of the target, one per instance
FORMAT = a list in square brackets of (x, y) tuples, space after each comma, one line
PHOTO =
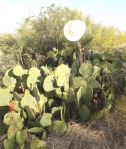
[(109, 133)]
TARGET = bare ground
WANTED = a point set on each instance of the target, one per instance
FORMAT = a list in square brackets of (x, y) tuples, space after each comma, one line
[(109, 133)]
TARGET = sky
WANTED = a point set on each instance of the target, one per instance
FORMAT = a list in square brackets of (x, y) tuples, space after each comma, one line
[(106, 12)]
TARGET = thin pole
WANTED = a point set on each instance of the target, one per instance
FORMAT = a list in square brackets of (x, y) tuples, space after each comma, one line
[(80, 53)]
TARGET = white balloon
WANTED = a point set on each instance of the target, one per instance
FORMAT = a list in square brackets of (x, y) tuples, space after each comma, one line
[(74, 30)]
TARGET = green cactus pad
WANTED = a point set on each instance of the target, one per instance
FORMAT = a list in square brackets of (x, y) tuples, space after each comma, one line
[(87, 96), (31, 81), (96, 58), (74, 68), (71, 97), (37, 144), (45, 70), (13, 118), (35, 130), (17, 106), (117, 64), (66, 52), (58, 92), (29, 112), (78, 94), (42, 102), (46, 119), (97, 71), (55, 50), (6, 80), (93, 83), (17, 96), (62, 74), (84, 113), (48, 84), (106, 56), (8, 144), (5, 97), (86, 70), (11, 132), (21, 136), (59, 127), (36, 93), (121, 104), (51, 55), (17, 70), (119, 80), (79, 82), (34, 71), (29, 100)]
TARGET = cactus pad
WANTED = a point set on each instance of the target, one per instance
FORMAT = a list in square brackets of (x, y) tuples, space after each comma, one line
[(48, 83), (17, 70), (84, 113), (86, 70), (46, 119), (59, 127), (5, 97), (62, 74), (37, 144)]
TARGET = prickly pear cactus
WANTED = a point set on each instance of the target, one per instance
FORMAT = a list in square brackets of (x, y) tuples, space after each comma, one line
[(6, 80), (86, 70), (59, 127), (49, 83), (62, 74), (17, 70), (29, 100), (46, 119), (34, 71), (88, 95), (117, 64), (5, 97), (79, 82), (51, 55), (84, 113), (106, 56), (21, 137), (37, 144), (46, 98)]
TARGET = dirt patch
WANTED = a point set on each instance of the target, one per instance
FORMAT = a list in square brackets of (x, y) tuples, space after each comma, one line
[(109, 133)]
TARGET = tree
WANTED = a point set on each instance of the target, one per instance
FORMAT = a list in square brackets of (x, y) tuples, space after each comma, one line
[(11, 49)]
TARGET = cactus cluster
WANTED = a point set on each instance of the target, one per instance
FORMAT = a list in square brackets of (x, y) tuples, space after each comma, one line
[(42, 100)]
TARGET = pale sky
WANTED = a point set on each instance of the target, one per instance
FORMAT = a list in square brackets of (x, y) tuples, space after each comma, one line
[(107, 12)]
